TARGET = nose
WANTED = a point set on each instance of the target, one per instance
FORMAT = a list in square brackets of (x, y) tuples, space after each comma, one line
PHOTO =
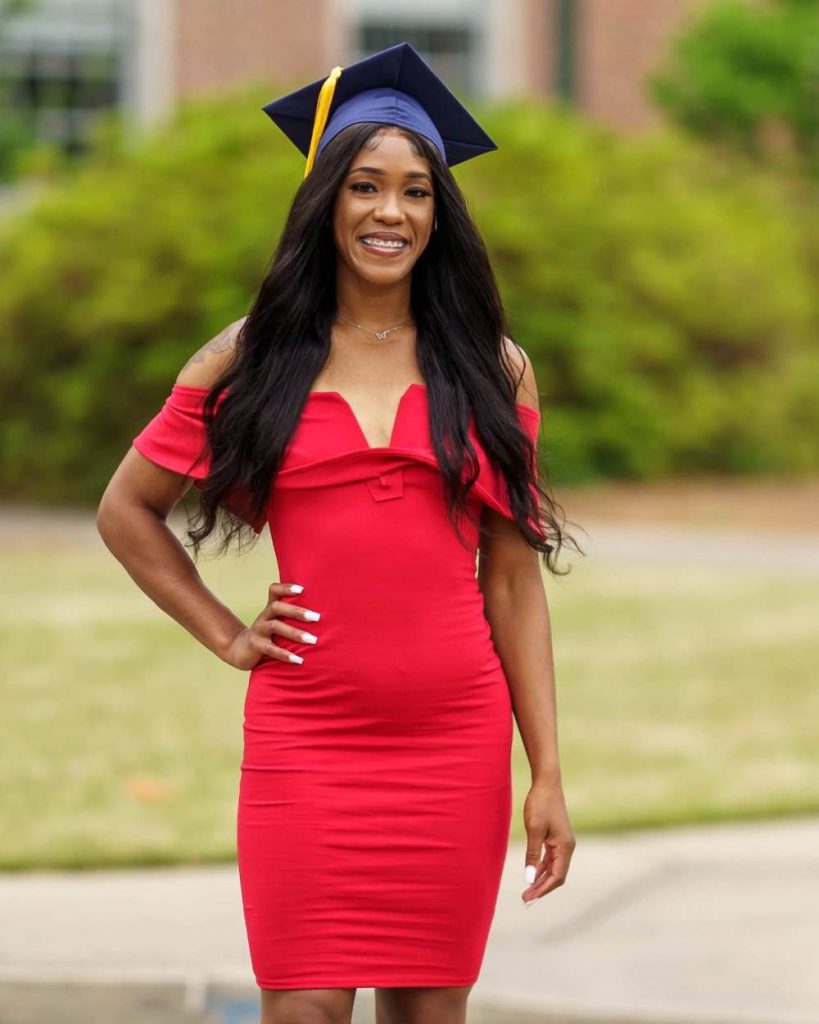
[(389, 209)]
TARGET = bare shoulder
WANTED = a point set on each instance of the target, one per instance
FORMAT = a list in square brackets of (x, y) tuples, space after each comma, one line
[(206, 365), (527, 393)]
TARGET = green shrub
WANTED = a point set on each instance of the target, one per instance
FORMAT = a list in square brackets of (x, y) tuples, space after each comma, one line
[(747, 76), (664, 296)]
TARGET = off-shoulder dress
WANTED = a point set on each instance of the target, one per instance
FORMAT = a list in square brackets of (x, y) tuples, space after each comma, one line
[(374, 792)]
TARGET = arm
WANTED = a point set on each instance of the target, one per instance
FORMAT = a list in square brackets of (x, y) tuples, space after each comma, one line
[(206, 365), (132, 521), (516, 608)]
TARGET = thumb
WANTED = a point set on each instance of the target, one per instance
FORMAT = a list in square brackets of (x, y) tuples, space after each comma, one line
[(534, 845)]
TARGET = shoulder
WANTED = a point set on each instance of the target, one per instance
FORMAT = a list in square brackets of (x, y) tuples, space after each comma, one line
[(524, 373), (208, 364)]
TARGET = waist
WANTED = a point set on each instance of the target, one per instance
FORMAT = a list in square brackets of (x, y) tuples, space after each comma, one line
[(430, 635)]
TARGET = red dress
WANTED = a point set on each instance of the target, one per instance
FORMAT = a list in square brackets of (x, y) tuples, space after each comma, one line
[(375, 792)]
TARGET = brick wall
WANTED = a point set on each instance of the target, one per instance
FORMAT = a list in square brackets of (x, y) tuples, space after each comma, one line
[(540, 56), (219, 44), (618, 42)]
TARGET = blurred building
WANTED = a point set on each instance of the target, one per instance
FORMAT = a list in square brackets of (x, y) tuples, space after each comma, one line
[(62, 61), (67, 59)]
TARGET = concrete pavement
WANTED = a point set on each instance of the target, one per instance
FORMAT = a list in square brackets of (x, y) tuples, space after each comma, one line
[(705, 925)]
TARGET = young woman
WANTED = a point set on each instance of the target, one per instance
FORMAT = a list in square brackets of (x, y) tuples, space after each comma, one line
[(373, 411)]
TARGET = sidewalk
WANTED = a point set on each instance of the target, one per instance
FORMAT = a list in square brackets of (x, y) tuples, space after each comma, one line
[(710, 924)]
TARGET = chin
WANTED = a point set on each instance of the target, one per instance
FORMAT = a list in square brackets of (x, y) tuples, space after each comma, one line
[(383, 274)]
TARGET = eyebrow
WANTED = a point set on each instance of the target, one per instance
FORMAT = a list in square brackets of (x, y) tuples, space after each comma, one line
[(380, 170)]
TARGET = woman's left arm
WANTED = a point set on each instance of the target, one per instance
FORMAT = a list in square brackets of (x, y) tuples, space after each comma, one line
[(516, 608)]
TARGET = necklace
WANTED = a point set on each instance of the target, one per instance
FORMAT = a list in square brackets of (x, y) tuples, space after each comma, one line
[(381, 335)]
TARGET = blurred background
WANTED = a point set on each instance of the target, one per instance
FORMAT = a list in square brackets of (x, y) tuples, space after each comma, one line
[(652, 214)]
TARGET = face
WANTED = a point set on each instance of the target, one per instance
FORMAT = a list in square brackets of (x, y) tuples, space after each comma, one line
[(387, 193)]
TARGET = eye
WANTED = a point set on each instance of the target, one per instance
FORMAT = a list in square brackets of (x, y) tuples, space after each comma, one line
[(417, 193)]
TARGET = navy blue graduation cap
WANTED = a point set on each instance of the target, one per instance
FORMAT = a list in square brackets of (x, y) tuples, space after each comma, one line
[(395, 86)]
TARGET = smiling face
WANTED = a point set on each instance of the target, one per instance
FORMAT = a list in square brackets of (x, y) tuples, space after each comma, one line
[(387, 197)]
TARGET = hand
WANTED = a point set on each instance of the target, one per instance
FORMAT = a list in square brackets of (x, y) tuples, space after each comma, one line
[(250, 645), (546, 820)]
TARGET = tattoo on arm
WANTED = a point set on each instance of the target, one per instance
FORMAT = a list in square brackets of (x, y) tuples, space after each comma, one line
[(223, 342)]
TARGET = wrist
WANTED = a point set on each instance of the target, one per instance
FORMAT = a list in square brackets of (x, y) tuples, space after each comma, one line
[(549, 775), (224, 643)]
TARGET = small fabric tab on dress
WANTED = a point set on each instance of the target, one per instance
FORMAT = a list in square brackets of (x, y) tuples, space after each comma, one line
[(387, 485)]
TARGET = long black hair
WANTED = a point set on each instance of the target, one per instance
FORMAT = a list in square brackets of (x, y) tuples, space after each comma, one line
[(285, 340)]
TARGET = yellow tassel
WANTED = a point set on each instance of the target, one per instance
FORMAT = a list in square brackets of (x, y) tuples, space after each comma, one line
[(325, 99)]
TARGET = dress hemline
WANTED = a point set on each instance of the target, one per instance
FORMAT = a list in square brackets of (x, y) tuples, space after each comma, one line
[(366, 983)]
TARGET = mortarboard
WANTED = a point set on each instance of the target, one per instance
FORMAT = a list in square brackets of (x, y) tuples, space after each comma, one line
[(395, 86)]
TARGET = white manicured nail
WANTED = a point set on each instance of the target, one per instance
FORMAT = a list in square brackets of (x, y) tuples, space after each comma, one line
[(296, 588), (528, 903), (295, 657), (312, 616), (309, 638), (529, 873)]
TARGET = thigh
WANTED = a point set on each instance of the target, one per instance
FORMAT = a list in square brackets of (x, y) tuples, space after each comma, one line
[(307, 1006), (438, 1005)]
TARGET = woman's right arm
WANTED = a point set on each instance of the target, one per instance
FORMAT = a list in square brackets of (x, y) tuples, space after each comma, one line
[(132, 521)]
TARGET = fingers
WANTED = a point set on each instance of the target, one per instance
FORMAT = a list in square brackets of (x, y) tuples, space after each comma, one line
[(271, 650), (270, 626), (269, 623), (551, 870), (275, 606), (533, 848)]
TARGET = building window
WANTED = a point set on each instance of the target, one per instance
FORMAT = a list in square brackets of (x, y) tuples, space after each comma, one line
[(566, 35), (447, 47), (58, 73)]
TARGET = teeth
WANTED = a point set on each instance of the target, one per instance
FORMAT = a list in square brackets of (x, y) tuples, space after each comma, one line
[(383, 243)]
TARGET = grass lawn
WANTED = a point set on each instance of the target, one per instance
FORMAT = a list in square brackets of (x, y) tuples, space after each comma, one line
[(685, 693)]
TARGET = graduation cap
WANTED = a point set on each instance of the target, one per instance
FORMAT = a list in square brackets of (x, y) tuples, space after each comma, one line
[(395, 86)]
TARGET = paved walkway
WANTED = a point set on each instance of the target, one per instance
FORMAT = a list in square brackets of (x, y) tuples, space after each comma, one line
[(690, 925)]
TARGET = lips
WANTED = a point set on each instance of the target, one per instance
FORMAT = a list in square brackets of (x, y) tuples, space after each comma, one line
[(387, 236), (383, 250), (396, 243)]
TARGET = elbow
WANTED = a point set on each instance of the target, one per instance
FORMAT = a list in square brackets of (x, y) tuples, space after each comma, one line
[(115, 518), (107, 516), (505, 585)]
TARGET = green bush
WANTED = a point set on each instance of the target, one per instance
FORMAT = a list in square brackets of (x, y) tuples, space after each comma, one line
[(747, 76), (664, 296), (112, 281)]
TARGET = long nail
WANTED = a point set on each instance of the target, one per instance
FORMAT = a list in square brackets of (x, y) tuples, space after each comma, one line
[(529, 873)]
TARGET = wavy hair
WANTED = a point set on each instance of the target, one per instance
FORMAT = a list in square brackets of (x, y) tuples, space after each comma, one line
[(285, 340)]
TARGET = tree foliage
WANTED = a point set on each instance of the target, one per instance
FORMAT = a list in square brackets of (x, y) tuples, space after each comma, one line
[(747, 76), (665, 296)]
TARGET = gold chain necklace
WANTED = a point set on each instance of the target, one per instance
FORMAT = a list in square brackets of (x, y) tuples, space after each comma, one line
[(381, 335)]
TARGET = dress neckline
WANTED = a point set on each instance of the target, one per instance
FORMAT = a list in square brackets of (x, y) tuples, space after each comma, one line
[(395, 421), (338, 396)]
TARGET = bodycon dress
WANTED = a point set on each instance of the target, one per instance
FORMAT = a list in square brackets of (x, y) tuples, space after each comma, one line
[(375, 792)]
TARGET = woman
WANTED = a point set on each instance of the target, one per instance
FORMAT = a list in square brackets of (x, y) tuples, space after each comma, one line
[(373, 411)]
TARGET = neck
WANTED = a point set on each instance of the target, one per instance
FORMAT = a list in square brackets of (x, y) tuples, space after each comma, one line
[(375, 306)]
